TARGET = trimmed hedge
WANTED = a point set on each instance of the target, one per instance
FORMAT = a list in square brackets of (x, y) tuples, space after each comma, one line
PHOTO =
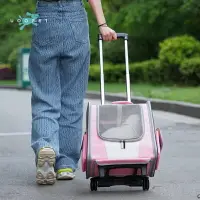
[(148, 71), (112, 73)]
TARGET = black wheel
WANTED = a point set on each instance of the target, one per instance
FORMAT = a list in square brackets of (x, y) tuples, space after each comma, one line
[(93, 185), (145, 184)]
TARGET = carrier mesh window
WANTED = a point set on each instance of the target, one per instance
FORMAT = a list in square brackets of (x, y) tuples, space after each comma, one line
[(120, 122)]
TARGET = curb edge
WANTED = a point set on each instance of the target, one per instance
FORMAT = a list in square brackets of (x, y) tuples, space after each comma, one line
[(182, 108)]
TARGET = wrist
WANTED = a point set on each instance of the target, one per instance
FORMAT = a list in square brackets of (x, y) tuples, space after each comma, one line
[(103, 25)]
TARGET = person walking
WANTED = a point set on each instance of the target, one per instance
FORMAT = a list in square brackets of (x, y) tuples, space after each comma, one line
[(58, 70)]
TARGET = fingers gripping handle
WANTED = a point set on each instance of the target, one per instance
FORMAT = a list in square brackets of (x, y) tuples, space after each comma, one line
[(119, 36), (125, 37)]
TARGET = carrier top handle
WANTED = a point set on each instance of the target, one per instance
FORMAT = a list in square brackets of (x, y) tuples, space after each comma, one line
[(128, 92)]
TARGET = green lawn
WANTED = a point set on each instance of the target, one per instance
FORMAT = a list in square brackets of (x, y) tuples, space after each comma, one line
[(187, 94), (12, 82)]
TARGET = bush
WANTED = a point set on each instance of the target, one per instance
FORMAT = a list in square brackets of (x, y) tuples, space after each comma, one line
[(173, 51), (16, 40), (4, 66), (94, 54), (12, 59), (190, 68), (114, 52), (112, 73), (150, 71), (13, 56), (147, 71)]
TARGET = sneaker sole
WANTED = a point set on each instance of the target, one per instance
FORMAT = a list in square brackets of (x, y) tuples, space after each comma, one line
[(47, 177), (65, 177)]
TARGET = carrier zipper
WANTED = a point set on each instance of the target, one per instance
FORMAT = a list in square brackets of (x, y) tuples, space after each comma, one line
[(123, 144)]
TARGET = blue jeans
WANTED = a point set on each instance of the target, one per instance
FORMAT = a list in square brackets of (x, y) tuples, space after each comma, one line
[(58, 71)]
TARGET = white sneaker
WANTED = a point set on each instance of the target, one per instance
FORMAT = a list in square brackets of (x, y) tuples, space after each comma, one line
[(65, 174), (45, 167)]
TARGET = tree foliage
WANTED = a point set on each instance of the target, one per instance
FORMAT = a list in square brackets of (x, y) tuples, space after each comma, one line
[(146, 21)]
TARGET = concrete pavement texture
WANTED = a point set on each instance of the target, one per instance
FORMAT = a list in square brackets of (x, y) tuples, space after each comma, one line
[(178, 177)]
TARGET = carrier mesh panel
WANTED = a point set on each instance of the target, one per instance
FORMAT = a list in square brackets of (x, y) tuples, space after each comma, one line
[(120, 122)]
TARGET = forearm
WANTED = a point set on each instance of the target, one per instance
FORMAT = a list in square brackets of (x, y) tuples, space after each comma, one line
[(97, 10)]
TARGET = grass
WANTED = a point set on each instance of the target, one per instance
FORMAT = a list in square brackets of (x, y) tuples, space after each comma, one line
[(187, 94), (9, 82)]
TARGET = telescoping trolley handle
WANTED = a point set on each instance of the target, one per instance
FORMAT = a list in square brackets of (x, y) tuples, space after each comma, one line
[(128, 93)]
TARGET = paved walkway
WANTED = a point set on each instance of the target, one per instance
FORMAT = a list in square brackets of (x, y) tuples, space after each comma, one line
[(177, 179)]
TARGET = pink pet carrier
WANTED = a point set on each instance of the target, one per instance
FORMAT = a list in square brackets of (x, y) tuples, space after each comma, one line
[(121, 145)]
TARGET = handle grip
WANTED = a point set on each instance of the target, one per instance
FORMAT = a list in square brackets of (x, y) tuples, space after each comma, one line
[(119, 36)]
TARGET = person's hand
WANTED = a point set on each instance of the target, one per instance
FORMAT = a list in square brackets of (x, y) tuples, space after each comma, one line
[(107, 33)]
